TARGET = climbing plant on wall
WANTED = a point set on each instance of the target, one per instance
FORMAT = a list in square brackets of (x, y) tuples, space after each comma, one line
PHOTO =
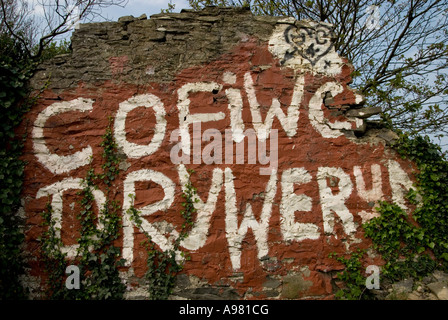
[(97, 256), (411, 244), (163, 266), (15, 70), (407, 247)]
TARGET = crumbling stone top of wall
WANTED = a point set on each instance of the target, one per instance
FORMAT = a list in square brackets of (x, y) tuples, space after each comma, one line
[(140, 51), (151, 50)]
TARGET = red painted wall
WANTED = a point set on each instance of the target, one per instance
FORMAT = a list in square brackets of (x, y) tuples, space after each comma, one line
[(71, 131)]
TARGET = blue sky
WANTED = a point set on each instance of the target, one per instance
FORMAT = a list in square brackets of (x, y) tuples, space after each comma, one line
[(130, 7), (138, 7)]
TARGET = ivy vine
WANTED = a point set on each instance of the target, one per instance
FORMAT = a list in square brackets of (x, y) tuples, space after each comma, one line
[(97, 256), (55, 261), (411, 244), (15, 100), (163, 266), (431, 212), (415, 244), (352, 276), (16, 69)]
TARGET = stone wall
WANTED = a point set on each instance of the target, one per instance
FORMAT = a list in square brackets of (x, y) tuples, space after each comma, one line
[(287, 167)]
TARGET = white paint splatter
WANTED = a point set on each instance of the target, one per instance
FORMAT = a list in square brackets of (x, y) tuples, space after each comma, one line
[(198, 235), (53, 162), (329, 63), (56, 191), (186, 118), (291, 203), (399, 182), (316, 114), (128, 226), (229, 77), (335, 203), (131, 149), (235, 233), (236, 118), (288, 122), (376, 192), (368, 215)]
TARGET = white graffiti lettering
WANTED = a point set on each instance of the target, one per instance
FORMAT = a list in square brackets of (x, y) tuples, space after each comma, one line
[(335, 187)]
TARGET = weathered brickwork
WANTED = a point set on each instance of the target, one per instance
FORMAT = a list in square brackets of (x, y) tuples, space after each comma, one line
[(187, 91)]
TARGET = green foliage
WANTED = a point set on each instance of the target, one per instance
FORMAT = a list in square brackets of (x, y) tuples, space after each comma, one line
[(416, 244), (15, 70), (189, 210), (394, 234), (390, 229), (171, 7), (53, 258), (400, 243), (163, 265), (352, 276), (110, 155), (54, 49), (97, 256), (431, 212)]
